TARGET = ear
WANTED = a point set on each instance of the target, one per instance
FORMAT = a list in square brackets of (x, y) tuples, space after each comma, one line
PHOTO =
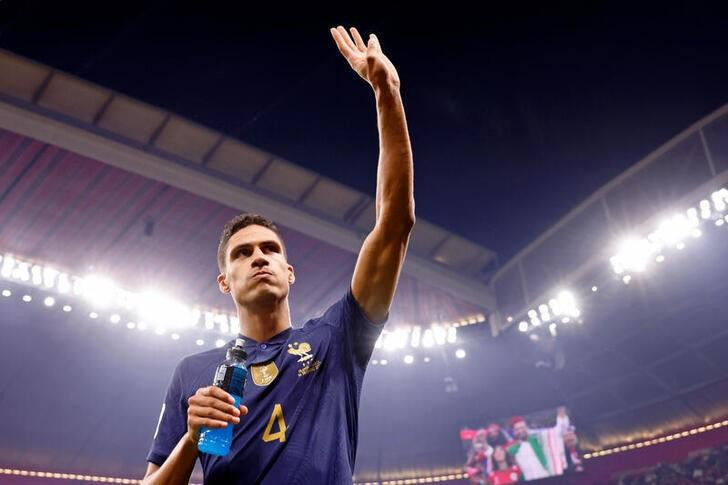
[(291, 275), (222, 283)]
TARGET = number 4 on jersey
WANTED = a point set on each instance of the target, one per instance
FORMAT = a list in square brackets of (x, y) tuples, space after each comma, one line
[(279, 435)]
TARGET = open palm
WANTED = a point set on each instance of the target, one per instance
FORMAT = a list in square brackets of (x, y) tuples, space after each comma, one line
[(367, 59)]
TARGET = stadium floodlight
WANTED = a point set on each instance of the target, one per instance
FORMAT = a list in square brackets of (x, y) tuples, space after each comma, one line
[(36, 275), (49, 301), (219, 343), (460, 353), (67, 308), (130, 325), (63, 283), (552, 329), (200, 342), (115, 318), (93, 315), (383, 362), (175, 336), (427, 338), (452, 335), (6, 270), (159, 309), (49, 276), (415, 336), (633, 255), (426, 359), (408, 359), (523, 326), (7, 293), (27, 298), (141, 326), (99, 291), (720, 199), (440, 334)]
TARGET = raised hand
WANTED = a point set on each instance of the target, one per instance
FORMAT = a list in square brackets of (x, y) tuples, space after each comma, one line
[(367, 59)]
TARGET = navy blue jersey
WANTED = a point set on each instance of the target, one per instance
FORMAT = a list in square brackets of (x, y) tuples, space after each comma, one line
[(303, 399)]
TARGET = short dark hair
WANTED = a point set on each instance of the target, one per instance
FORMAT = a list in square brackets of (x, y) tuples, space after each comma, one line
[(237, 223)]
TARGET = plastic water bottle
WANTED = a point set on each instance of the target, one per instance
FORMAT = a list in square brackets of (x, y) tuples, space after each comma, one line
[(230, 377)]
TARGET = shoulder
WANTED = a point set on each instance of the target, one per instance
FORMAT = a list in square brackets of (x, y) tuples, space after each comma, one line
[(193, 367)]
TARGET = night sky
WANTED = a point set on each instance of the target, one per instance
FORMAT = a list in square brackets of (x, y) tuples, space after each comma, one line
[(516, 113)]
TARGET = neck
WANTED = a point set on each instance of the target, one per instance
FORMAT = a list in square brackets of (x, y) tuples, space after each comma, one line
[(262, 322)]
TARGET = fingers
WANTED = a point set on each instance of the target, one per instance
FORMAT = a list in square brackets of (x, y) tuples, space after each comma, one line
[(341, 44), (345, 35), (358, 40), (206, 412), (214, 391)]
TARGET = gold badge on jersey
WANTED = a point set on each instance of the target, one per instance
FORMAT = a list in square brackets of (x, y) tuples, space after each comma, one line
[(264, 374)]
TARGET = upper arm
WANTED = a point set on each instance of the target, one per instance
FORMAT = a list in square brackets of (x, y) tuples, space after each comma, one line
[(377, 269)]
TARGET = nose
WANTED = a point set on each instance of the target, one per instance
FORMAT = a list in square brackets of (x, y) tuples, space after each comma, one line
[(259, 260)]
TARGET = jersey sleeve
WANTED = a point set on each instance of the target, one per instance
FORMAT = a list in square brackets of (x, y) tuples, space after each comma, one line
[(357, 334), (172, 423)]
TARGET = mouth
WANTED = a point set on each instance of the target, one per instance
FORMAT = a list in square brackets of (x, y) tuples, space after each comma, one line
[(261, 274)]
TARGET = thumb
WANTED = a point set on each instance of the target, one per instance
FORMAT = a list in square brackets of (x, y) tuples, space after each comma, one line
[(373, 42)]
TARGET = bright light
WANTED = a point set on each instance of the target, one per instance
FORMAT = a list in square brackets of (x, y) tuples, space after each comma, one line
[(175, 336), (7, 293), (427, 339), (141, 326), (98, 291), (383, 362), (160, 330), (594, 289), (408, 359), (27, 298), (130, 325), (626, 279), (93, 315), (509, 319), (426, 359), (452, 335), (6, 270), (156, 308), (64, 284), (49, 301), (552, 329), (660, 258), (523, 326), (720, 199), (115, 318), (219, 343), (633, 255), (67, 308), (440, 334), (199, 341), (460, 353), (415, 337)]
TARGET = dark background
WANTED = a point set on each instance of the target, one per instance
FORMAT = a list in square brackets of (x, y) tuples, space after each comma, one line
[(516, 112)]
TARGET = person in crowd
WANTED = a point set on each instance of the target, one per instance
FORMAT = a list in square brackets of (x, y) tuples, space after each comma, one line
[(477, 464), (503, 469), (497, 436), (539, 453), (572, 451)]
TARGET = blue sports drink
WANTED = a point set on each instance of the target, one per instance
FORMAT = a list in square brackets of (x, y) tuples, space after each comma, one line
[(230, 377)]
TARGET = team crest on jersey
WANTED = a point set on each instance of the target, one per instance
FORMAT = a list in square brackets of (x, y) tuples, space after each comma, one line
[(264, 374), (302, 350), (305, 357)]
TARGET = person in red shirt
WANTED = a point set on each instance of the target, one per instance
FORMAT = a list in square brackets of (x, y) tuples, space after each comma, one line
[(503, 468)]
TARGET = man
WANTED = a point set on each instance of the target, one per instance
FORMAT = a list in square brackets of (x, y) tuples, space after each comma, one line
[(298, 420), (539, 453)]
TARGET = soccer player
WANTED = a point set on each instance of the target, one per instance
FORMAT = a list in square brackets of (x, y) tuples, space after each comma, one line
[(298, 420)]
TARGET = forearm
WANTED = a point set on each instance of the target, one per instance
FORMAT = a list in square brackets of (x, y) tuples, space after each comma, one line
[(395, 186), (178, 467)]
